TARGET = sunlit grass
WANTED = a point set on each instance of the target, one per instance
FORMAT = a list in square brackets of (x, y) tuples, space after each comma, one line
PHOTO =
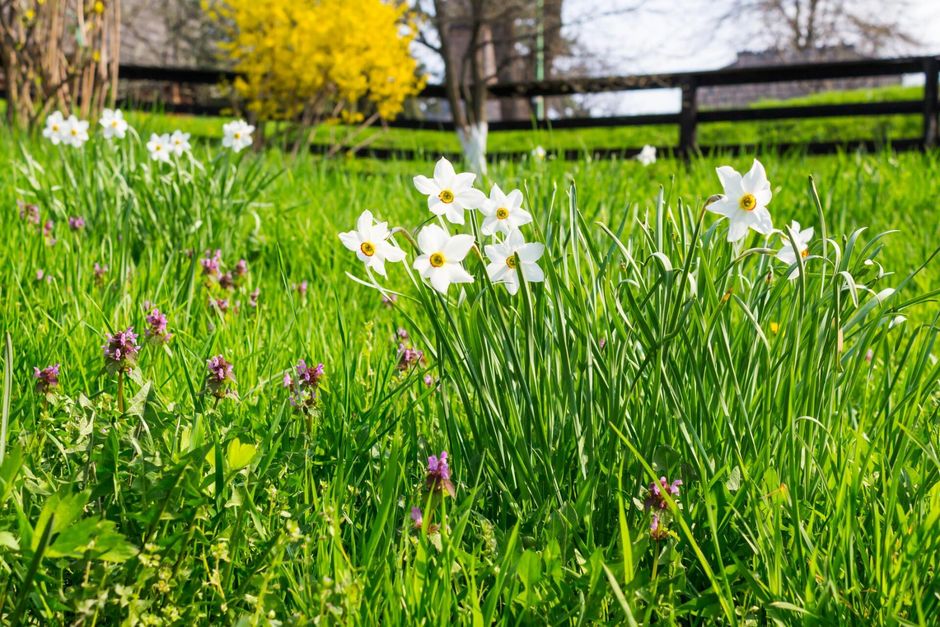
[(809, 468)]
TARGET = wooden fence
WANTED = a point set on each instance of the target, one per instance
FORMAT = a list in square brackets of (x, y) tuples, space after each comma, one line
[(687, 119)]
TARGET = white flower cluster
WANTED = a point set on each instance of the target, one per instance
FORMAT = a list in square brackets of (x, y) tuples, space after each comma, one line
[(450, 195), (744, 204), (74, 132)]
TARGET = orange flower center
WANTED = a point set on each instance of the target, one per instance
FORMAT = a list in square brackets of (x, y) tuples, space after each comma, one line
[(367, 249), (747, 202), (511, 261), (437, 260), (502, 213), (446, 196)]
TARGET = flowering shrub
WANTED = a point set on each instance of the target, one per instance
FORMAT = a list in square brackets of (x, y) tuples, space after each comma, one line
[(317, 61)]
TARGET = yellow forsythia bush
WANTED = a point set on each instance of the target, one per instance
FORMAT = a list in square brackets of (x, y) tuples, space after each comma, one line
[(319, 60)]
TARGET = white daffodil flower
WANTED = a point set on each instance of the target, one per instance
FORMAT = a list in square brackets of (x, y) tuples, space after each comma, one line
[(75, 132), (745, 201), (538, 153), (55, 124), (504, 212), (449, 193), (159, 147), (113, 124), (237, 135), (179, 143), (442, 256), (370, 243), (786, 254), (647, 155), (504, 268)]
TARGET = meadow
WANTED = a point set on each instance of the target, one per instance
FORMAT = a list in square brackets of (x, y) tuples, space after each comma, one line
[(794, 421)]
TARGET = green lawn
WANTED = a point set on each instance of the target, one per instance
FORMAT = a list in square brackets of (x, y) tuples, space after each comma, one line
[(810, 477)]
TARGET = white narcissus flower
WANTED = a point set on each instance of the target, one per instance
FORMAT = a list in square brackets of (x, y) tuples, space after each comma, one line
[(75, 132), (745, 201), (647, 155), (237, 135), (159, 147), (441, 258), (113, 123), (504, 212), (503, 267), (538, 153), (802, 237), (55, 123), (179, 143), (449, 193), (370, 243)]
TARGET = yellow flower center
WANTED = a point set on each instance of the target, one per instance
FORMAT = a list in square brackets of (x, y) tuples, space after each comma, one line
[(446, 196), (99, 8), (511, 261), (437, 260), (502, 213), (237, 135), (804, 253), (747, 202), (114, 123), (74, 132), (55, 128), (367, 249)]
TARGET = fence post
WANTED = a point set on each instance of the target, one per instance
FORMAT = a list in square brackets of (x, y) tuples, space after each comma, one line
[(687, 118), (931, 76)]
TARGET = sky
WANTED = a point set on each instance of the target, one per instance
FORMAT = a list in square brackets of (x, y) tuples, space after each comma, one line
[(638, 37)]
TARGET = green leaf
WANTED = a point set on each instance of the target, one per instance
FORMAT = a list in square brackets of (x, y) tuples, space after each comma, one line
[(239, 455)]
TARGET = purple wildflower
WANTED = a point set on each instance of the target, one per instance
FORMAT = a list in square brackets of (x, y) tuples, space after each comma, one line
[(76, 223), (29, 212), (220, 374), (657, 490), (869, 355), (409, 357), (301, 289), (120, 351), (602, 343), (389, 300), (402, 334), (428, 380), (303, 386), (227, 281), (41, 274), (438, 479), (46, 379), (48, 232), (658, 531), (241, 268), (100, 272), (416, 518), (253, 297), (211, 263), (221, 304), (156, 327)]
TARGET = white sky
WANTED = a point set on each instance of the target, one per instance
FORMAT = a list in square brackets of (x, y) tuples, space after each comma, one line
[(675, 35)]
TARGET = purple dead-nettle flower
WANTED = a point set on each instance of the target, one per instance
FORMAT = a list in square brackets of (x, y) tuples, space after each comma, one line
[(253, 297), (428, 380), (47, 379), (221, 304), (41, 274), (389, 300), (303, 385), (227, 281), (409, 357), (301, 289), (869, 355), (658, 531), (48, 232), (602, 343), (220, 375), (29, 212), (211, 263), (657, 490), (402, 334), (241, 268), (100, 272), (417, 520), (156, 327), (438, 479), (76, 223), (120, 351)]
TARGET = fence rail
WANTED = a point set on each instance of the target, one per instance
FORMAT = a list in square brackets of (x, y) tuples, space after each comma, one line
[(687, 119)]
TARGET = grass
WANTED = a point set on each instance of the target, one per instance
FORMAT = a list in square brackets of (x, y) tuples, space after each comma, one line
[(810, 473), (428, 143)]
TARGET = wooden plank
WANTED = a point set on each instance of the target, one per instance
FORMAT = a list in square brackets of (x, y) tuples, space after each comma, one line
[(813, 111), (930, 106), (688, 119)]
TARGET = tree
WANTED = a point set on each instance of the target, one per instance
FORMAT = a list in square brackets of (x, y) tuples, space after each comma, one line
[(870, 26), (310, 62), (58, 54)]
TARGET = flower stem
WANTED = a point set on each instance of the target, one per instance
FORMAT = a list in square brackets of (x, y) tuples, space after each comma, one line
[(120, 392)]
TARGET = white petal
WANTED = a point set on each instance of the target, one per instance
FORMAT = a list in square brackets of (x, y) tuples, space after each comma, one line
[(454, 213), (761, 222), (457, 274), (763, 196), (730, 180), (444, 173), (377, 263), (364, 223), (350, 240), (531, 252), (515, 199), (440, 280), (422, 265), (756, 179), (532, 273), (426, 185), (512, 284), (463, 182), (737, 229), (723, 207), (520, 217), (489, 225), (457, 247), (392, 253), (437, 206), (431, 239), (470, 198)]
